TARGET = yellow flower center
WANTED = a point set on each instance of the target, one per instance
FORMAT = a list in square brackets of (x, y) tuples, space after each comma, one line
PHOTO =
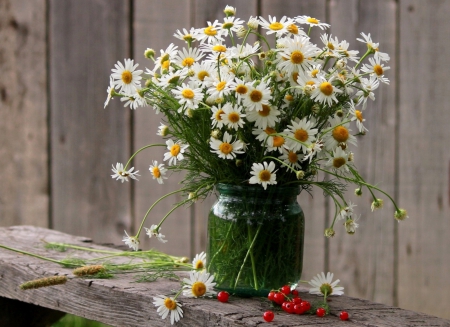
[(297, 57), (256, 96), (310, 83), (330, 46), (202, 74), (276, 26), (270, 130), (326, 88), (225, 148), (127, 77), (292, 157), (301, 135), (218, 113), (187, 93), (175, 150), (338, 162), (314, 72), (312, 20), (219, 48), (170, 304), (234, 117), (278, 141), (359, 115), (198, 289), (221, 86), (199, 264), (378, 70), (156, 172), (265, 111), (165, 64), (189, 61), (241, 89), (340, 134), (264, 175), (210, 30), (292, 29), (289, 97)]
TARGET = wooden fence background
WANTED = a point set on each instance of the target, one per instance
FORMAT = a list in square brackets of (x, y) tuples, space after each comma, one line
[(57, 143)]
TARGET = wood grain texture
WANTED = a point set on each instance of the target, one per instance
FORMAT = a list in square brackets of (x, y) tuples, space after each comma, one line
[(122, 302), (365, 261), (315, 206), (24, 192), (424, 155), (86, 40)]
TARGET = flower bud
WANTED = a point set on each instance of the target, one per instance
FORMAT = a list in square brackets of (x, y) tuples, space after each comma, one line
[(229, 11), (329, 232), (401, 214), (300, 174), (149, 53)]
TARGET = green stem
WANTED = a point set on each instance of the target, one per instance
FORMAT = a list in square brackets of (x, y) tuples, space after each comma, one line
[(221, 247), (34, 255), (82, 248), (252, 258), (143, 148)]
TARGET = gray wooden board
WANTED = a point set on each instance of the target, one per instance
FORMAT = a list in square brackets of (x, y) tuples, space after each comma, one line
[(24, 193), (122, 302), (86, 39)]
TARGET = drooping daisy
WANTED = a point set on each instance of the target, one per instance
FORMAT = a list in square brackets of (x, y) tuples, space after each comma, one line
[(163, 130), (188, 36), (313, 150), (267, 116), (346, 54), (297, 55), (257, 96), (225, 148), (211, 33), (187, 57), (200, 283), (126, 77), (292, 159), (166, 305), (264, 174), (131, 241), (274, 26), (158, 172), (253, 23), (172, 77), (303, 132), (122, 174), (346, 211), (155, 231), (199, 261), (163, 61), (338, 160), (368, 85), (188, 95), (358, 117), (377, 204), (110, 90), (311, 21), (325, 91), (351, 225), (232, 116), (338, 134), (377, 69), (324, 285), (176, 151), (373, 47), (400, 214)]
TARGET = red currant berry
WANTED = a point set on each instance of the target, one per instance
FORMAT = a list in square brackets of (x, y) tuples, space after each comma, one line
[(286, 290), (296, 300), (268, 316), (271, 296), (283, 306), (223, 296), (343, 315), (289, 307), (278, 298), (320, 312), (298, 309), (305, 305), (294, 293)]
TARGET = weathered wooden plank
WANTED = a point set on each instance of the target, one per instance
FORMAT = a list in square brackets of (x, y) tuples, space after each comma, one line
[(123, 302), (24, 192), (314, 257), (86, 40), (365, 261), (424, 155), (153, 29)]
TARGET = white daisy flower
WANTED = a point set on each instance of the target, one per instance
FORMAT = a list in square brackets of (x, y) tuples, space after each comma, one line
[(373, 47), (302, 131), (122, 174), (367, 86), (201, 72), (175, 153), (110, 90), (313, 150), (199, 261), (262, 135), (240, 88), (188, 36), (322, 285), (307, 84), (253, 23), (166, 305), (126, 77), (187, 57), (274, 26), (131, 241), (200, 283), (297, 55), (243, 51), (330, 43), (338, 134), (377, 69), (172, 77), (216, 117), (347, 211), (267, 116), (211, 33), (158, 172), (188, 95), (155, 231), (277, 142), (325, 91), (232, 24), (163, 130), (358, 117), (263, 174), (312, 22), (346, 54), (135, 100), (257, 96), (232, 116), (225, 149), (292, 159), (219, 88), (163, 61), (338, 160), (376, 204), (351, 225)]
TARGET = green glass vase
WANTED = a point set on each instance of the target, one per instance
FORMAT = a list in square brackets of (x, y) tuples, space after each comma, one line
[(255, 238)]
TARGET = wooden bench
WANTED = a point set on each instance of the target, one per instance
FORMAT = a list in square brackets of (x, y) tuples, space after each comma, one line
[(123, 302)]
